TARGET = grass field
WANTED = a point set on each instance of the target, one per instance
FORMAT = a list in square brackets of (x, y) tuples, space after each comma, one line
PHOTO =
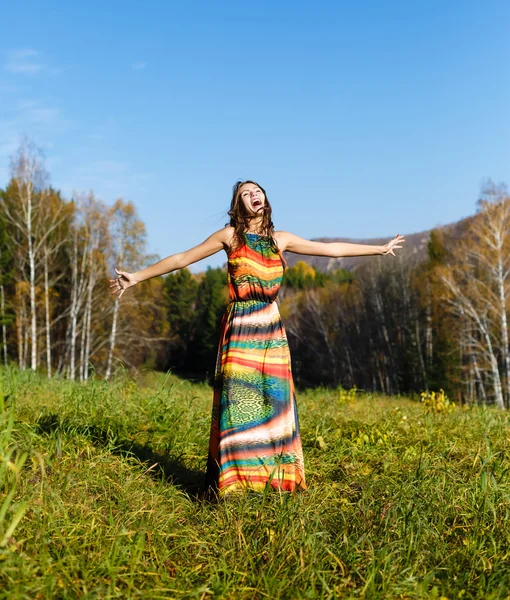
[(99, 499)]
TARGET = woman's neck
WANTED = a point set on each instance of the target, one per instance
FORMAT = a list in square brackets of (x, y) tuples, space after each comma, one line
[(254, 226)]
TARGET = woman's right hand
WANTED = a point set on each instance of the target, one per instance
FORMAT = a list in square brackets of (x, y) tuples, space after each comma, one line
[(122, 282)]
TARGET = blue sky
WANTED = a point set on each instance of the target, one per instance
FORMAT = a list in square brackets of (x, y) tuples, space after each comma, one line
[(360, 119)]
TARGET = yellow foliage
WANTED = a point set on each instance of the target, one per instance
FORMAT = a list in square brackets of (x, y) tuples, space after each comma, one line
[(304, 269), (346, 396), (437, 402)]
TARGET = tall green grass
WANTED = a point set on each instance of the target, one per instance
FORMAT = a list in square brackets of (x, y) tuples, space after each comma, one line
[(11, 463), (400, 504)]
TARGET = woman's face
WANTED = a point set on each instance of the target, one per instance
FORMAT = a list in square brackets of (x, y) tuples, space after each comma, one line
[(253, 199)]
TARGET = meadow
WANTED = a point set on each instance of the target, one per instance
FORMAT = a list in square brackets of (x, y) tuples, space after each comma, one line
[(100, 498)]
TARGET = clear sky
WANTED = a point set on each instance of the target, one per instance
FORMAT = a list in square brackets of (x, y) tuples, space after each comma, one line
[(361, 119)]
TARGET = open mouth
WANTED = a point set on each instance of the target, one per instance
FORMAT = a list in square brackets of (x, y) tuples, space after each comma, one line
[(256, 204)]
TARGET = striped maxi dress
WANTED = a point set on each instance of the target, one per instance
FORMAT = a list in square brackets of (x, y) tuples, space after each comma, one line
[(255, 438)]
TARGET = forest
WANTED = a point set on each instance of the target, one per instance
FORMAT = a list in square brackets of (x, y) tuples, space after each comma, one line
[(394, 325)]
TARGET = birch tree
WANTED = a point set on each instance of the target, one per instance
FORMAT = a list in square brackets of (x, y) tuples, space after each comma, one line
[(86, 255), (21, 206), (34, 212), (477, 286), (492, 228), (127, 234), (96, 238), (56, 216)]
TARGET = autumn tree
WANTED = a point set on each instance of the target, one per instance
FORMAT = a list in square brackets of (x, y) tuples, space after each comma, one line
[(58, 215), (476, 285), (127, 252), (21, 207), (33, 213), (87, 250)]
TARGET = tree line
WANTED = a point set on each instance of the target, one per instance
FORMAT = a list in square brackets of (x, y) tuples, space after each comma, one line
[(394, 325), (55, 258), (402, 326)]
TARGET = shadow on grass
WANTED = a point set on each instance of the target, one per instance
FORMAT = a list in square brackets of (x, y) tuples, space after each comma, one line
[(157, 465)]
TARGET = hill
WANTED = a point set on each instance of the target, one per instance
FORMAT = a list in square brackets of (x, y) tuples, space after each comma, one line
[(416, 245)]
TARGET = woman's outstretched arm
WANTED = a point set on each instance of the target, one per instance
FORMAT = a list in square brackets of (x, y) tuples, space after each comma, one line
[(293, 243), (214, 243)]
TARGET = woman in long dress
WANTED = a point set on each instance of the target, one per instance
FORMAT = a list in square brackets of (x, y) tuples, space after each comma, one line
[(254, 440)]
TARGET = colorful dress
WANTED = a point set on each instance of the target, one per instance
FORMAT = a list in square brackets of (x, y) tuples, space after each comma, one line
[(255, 437)]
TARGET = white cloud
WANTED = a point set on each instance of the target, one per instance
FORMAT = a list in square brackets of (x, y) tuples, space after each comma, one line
[(27, 61), (8, 88), (104, 167), (24, 53), (138, 65), (40, 119), (110, 179), (40, 116)]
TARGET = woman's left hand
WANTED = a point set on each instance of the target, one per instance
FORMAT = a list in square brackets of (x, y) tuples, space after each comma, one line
[(122, 282), (393, 245)]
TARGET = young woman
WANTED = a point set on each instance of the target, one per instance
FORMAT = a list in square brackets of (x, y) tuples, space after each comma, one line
[(254, 440)]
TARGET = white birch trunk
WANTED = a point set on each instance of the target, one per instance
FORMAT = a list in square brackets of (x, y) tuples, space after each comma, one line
[(428, 330), (74, 309), (25, 338), (88, 329), (47, 316), (83, 274), (82, 346), (380, 311), (87, 325), (479, 380), (505, 348), (465, 308), (31, 265), (420, 355), (74, 335), (498, 389), (497, 380), (112, 339), (19, 327)]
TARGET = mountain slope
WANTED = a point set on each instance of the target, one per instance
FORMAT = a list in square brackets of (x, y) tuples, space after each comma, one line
[(415, 244)]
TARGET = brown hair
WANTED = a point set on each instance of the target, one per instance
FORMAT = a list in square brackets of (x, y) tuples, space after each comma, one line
[(240, 221)]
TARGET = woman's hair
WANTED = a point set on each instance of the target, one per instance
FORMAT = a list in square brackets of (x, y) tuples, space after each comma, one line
[(240, 220)]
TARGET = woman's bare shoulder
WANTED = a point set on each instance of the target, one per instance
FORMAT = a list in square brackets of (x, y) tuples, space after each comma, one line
[(282, 239), (227, 234)]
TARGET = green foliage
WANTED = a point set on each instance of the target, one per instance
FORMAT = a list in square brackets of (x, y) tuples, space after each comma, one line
[(340, 276), (302, 276), (436, 250), (194, 313), (181, 290), (112, 510), (442, 367), (211, 304), (6, 266), (181, 296)]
